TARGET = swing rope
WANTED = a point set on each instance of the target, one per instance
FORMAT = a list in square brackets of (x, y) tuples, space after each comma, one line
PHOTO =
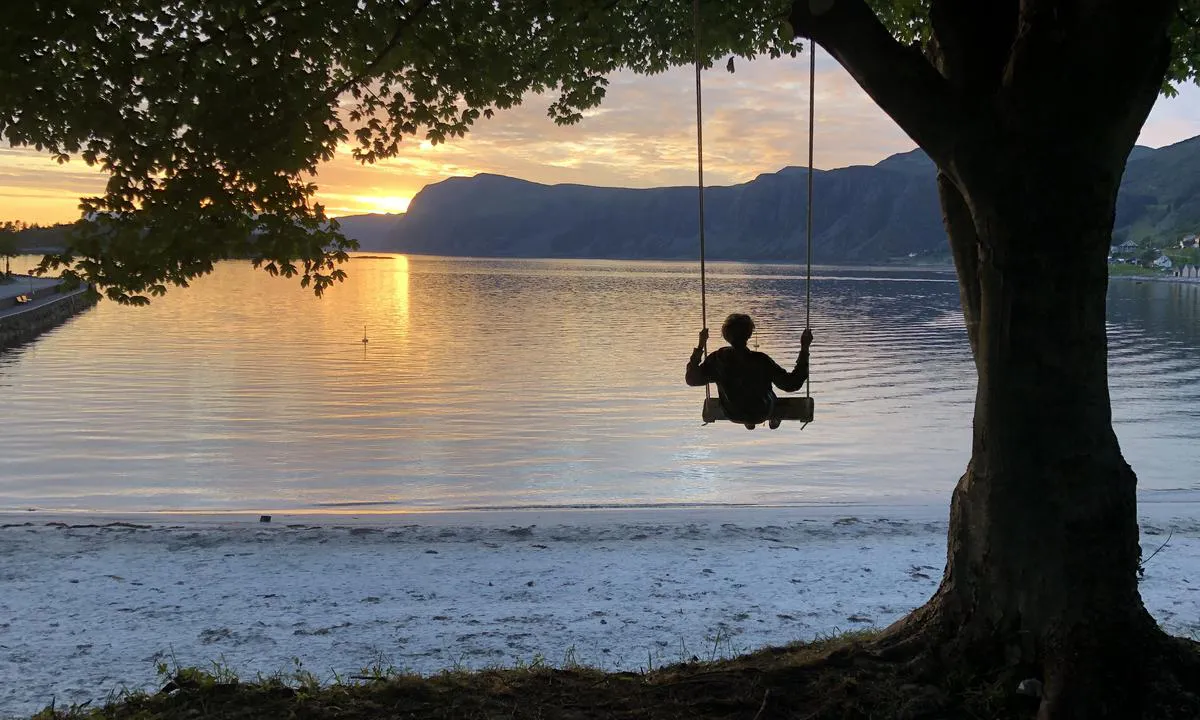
[(700, 182), (812, 74)]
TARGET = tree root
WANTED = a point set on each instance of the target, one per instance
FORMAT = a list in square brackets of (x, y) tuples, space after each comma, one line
[(923, 667)]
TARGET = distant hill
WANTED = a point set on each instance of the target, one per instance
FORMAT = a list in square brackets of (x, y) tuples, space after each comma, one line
[(863, 214), (371, 231), (493, 215), (38, 239), (1160, 193)]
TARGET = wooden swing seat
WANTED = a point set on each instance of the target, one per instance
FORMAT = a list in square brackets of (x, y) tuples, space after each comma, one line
[(786, 408)]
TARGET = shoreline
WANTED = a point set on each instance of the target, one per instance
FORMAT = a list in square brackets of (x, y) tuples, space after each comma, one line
[(91, 608), (1158, 278), (1155, 505), (30, 307), (470, 515)]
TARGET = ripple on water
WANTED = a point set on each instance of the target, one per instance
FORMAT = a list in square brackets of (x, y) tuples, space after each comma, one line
[(512, 383)]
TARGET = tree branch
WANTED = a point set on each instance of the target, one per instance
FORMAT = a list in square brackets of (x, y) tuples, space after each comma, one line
[(382, 55), (964, 246), (971, 42), (1095, 70), (1192, 21), (899, 79)]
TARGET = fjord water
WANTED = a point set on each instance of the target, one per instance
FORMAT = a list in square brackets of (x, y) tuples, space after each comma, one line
[(506, 383)]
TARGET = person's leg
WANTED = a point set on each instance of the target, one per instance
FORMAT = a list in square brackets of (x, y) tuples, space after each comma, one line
[(772, 412)]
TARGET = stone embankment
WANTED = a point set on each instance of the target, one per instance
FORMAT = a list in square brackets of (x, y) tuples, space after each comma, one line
[(29, 312)]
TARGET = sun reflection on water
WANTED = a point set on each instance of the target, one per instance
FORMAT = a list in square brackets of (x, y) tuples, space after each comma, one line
[(400, 293), (511, 383)]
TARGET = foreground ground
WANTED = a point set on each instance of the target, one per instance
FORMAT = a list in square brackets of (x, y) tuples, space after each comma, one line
[(827, 679), (89, 608), (835, 678)]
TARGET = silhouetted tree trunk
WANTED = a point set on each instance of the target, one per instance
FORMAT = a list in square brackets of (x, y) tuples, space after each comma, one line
[(1030, 110)]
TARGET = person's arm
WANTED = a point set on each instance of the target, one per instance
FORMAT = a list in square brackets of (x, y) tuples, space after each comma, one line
[(794, 380), (696, 371)]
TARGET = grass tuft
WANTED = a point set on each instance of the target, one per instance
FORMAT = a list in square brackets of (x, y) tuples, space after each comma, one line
[(835, 677), (711, 686)]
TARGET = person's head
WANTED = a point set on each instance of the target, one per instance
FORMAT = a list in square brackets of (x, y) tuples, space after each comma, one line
[(737, 329)]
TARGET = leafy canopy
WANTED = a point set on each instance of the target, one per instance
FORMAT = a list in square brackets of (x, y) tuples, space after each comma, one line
[(212, 116)]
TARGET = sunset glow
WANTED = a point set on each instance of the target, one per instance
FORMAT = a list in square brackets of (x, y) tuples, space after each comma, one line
[(343, 204), (644, 136), (393, 204), (338, 205)]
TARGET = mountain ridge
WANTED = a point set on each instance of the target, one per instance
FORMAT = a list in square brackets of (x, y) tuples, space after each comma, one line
[(862, 214)]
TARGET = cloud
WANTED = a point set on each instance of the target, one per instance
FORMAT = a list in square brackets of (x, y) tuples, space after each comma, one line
[(644, 135), (35, 188), (1173, 119)]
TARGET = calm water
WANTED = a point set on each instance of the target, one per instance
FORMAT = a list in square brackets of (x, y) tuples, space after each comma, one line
[(514, 383)]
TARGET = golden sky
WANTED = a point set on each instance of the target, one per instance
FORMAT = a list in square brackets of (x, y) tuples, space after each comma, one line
[(642, 136)]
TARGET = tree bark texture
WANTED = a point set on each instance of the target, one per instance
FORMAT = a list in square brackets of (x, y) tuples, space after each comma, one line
[(1043, 542), (1046, 100)]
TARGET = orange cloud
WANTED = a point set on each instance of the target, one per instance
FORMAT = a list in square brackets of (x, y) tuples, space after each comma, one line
[(643, 136)]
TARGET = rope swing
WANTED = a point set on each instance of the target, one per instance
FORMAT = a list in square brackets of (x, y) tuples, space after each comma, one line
[(812, 97), (788, 408), (700, 180)]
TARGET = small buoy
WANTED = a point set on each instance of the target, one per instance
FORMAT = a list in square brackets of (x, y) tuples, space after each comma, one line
[(264, 518), (364, 334)]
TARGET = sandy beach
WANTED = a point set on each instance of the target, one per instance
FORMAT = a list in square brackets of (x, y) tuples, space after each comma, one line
[(91, 604)]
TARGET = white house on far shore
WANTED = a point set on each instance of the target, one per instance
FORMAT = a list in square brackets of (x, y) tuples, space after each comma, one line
[(1124, 248), (1163, 262)]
